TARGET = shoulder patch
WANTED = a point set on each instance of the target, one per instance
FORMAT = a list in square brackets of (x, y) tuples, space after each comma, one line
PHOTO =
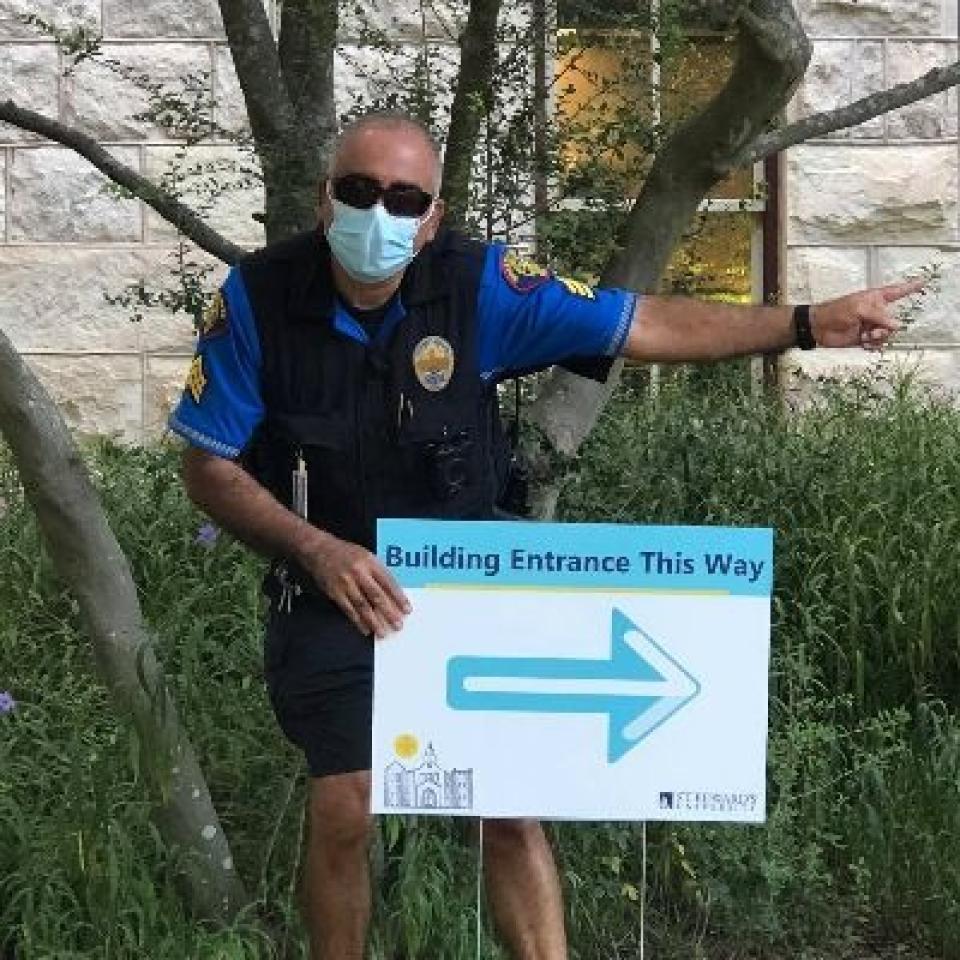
[(523, 274), (214, 320), (196, 379), (578, 288)]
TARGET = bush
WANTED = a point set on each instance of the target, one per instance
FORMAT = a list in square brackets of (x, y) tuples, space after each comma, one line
[(863, 492), (862, 841)]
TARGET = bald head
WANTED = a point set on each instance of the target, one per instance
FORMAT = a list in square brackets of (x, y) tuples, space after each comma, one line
[(396, 153), (399, 133)]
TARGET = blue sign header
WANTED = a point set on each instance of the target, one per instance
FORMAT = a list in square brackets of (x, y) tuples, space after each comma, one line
[(597, 556)]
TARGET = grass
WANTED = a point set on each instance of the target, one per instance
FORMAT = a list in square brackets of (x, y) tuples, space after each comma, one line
[(862, 845)]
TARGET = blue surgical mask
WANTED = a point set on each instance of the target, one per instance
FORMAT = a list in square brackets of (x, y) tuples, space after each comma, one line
[(372, 244)]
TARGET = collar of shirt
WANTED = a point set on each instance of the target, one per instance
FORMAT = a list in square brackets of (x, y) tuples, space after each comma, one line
[(349, 326)]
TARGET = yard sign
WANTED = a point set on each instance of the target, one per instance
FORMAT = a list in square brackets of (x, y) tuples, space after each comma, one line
[(574, 671)]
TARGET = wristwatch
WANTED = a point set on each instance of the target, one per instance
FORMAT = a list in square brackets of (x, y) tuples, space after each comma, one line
[(802, 328)]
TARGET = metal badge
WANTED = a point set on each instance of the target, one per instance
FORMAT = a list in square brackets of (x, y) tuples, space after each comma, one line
[(433, 361)]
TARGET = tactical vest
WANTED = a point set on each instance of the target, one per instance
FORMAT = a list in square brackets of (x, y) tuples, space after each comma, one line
[(375, 441)]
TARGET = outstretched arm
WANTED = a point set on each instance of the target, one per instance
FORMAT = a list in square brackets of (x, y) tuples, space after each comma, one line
[(678, 329)]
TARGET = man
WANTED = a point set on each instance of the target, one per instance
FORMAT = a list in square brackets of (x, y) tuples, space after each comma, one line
[(354, 369)]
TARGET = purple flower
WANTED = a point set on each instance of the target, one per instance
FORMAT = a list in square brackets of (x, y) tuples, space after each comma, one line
[(7, 703), (207, 535)]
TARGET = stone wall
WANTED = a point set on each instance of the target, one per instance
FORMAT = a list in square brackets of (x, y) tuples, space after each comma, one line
[(67, 243), (876, 203), (863, 206)]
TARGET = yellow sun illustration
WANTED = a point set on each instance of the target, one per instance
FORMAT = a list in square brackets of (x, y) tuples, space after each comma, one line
[(406, 746)]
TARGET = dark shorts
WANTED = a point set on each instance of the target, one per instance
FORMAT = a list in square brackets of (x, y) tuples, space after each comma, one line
[(319, 673)]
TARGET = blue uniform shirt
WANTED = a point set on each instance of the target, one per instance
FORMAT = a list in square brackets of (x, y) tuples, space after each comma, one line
[(526, 319)]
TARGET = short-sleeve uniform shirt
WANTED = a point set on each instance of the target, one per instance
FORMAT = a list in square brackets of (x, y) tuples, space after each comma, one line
[(527, 319)]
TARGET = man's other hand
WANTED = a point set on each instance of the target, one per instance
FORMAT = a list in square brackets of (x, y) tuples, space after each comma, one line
[(863, 318), (358, 583)]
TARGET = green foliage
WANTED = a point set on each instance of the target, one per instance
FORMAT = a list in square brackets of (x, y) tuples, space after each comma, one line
[(862, 490), (82, 872), (861, 845)]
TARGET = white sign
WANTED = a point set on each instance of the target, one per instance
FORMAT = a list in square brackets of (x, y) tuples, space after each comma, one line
[(574, 671)]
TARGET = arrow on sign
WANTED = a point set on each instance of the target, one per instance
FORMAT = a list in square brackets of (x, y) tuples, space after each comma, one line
[(638, 687)]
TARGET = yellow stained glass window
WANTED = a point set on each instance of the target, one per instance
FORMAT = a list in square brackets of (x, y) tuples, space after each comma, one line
[(715, 258), (615, 100)]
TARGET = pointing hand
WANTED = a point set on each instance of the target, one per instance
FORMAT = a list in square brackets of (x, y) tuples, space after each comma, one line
[(862, 318)]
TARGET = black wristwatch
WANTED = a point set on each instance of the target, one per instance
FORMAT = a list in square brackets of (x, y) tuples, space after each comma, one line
[(802, 328)]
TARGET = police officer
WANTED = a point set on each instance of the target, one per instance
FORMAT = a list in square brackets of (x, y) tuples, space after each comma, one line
[(350, 373)]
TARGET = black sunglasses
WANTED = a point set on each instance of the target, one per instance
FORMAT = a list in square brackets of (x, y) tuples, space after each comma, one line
[(399, 199)]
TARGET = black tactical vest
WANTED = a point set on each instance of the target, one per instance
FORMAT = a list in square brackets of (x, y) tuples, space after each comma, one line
[(375, 441)]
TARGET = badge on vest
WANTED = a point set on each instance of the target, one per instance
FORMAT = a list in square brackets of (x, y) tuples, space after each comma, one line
[(196, 379), (433, 363)]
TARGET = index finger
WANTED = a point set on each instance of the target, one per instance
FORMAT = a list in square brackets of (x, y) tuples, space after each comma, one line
[(390, 586), (896, 291)]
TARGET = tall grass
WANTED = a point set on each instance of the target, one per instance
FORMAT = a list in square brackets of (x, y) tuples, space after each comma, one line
[(863, 839)]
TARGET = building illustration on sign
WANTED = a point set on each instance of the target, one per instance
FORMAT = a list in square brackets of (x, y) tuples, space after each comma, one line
[(427, 786)]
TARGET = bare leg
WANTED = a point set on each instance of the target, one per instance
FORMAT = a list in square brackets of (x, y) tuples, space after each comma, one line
[(523, 889), (337, 876)]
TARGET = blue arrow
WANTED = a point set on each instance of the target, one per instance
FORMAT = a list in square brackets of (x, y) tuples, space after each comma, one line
[(638, 687)]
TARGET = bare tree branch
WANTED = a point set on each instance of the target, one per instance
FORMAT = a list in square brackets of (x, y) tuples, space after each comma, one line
[(88, 558), (772, 55), (478, 54), (257, 63), (866, 108), (171, 209)]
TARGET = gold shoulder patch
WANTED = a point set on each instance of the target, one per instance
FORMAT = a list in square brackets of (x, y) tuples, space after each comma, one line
[(214, 320), (196, 379), (578, 288), (522, 273)]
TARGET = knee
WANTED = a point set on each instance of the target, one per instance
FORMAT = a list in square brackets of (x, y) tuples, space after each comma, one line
[(522, 833), (340, 810)]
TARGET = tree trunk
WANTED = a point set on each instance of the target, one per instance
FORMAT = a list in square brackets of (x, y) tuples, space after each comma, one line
[(308, 37), (87, 556), (471, 102), (290, 178)]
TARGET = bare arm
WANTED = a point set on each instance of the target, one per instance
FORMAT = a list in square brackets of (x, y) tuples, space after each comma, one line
[(230, 496), (349, 574), (677, 329)]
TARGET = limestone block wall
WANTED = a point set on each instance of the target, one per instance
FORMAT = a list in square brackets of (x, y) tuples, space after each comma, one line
[(875, 203), (67, 243), (863, 206)]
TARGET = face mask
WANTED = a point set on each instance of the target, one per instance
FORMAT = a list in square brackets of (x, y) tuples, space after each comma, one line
[(372, 244)]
